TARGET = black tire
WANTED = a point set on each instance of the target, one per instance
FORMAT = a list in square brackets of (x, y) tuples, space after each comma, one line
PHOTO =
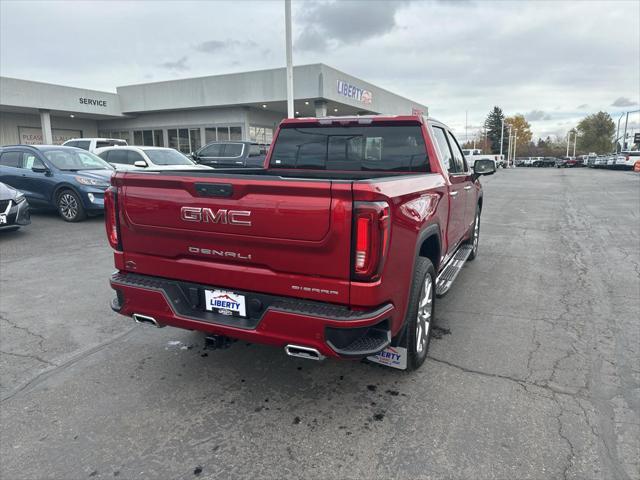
[(420, 322), (474, 236), (70, 206)]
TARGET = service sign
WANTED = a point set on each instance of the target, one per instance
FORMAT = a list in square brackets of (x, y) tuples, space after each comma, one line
[(356, 93)]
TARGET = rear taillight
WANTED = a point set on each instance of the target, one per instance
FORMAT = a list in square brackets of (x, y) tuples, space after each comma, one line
[(111, 217), (372, 223)]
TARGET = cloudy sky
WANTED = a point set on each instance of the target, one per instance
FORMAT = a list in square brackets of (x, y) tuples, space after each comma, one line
[(554, 62)]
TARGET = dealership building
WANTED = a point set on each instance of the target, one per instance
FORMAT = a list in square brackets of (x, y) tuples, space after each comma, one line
[(188, 113)]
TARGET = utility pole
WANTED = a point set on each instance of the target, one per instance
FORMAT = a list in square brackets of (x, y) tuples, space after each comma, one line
[(501, 135), (289, 48), (615, 147), (509, 147), (466, 126)]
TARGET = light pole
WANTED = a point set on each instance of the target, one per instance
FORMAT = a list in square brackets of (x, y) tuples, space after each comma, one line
[(515, 144), (568, 140), (624, 136), (501, 136), (575, 138), (615, 147), (287, 21), (509, 147)]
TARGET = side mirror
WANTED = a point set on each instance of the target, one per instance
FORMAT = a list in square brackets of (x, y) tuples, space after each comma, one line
[(40, 169), (140, 163), (484, 167)]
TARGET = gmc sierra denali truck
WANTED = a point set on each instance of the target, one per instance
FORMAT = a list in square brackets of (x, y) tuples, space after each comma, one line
[(336, 248)]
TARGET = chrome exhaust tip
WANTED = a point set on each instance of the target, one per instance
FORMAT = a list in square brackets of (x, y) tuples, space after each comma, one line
[(144, 319), (303, 352)]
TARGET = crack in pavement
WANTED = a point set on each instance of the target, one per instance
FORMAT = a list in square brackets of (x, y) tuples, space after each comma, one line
[(60, 367), (24, 329), (33, 357)]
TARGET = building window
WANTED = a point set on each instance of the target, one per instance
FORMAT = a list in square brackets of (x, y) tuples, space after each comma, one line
[(158, 138), (260, 134), (147, 138), (223, 134), (235, 133), (210, 135), (194, 139), (137, 137)]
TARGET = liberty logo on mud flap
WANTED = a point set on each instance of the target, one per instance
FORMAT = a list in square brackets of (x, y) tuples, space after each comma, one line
[(394, 357)]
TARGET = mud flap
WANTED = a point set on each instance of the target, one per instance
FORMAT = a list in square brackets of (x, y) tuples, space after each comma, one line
[(394, 357)]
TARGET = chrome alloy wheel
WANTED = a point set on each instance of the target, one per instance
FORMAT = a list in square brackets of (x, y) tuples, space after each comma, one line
[(425, 310), (68, 206)]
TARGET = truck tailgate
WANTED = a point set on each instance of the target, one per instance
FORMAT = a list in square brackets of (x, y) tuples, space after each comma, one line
[(222, 223)]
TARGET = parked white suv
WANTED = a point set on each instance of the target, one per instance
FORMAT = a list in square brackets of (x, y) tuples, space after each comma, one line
[(140, 158), (92, 144)]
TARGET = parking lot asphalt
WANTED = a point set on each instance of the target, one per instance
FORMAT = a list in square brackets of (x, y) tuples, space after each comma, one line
[(534, 371)]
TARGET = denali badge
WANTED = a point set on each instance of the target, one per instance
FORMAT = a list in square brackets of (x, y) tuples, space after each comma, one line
[(220, 253), (207, 215)]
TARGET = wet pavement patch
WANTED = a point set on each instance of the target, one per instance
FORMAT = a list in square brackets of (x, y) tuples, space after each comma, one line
[(372, 388), (197, 471), (439, 332)]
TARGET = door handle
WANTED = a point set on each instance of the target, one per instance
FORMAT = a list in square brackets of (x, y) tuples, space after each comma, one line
[(468, 187), (453, 194)]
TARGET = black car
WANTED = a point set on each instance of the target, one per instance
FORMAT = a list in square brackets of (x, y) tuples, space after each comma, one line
[(232, 154), (14, 208)]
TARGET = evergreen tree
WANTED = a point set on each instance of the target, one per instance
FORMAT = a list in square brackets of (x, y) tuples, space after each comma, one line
[(493, 125)]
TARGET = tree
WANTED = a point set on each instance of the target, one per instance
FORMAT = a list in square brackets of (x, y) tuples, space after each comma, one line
[(517, 122), (595, 133), (493, 126)]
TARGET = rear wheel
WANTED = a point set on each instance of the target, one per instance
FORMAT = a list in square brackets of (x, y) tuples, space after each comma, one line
[(420, 314), (70, 206)]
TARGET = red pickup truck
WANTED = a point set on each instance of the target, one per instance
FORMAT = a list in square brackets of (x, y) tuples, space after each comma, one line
[(337, 248)]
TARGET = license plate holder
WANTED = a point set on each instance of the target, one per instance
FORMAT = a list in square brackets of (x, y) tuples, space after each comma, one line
[(225, 302)]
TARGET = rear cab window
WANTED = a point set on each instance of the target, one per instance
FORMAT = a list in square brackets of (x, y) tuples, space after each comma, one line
[(391, 147)]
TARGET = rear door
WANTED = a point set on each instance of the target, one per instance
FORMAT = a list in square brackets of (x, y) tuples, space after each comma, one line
[(37, 186), (457, 201)]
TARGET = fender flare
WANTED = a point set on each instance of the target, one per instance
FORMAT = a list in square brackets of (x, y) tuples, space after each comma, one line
[(427, 232)]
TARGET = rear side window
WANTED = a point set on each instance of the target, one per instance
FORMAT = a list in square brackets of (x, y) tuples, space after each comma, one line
[(84, 144), (232, 150), (352, 148), (11, 159)]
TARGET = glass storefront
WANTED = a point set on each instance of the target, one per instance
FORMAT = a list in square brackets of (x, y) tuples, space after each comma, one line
[(186, 140)]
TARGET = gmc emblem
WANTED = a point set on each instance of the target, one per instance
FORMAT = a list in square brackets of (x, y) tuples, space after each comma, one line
[(224, 216)]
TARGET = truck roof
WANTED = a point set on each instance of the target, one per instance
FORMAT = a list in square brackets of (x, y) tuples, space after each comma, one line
[(361, 119)]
